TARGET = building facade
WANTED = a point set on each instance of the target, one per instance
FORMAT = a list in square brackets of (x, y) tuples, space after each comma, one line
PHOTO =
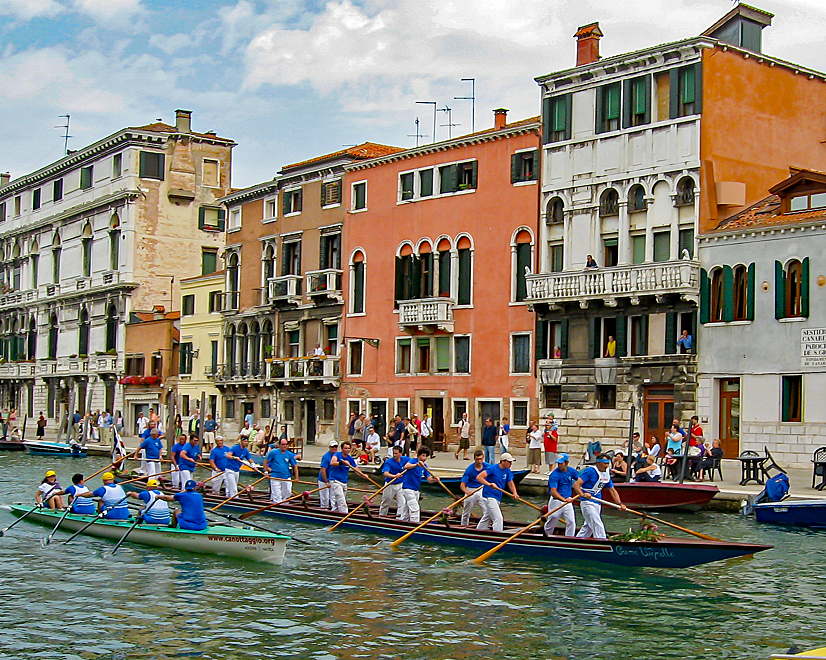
[(763, 312), (437, 245), (110, 229)]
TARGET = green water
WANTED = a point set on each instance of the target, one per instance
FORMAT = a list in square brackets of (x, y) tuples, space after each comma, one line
[(349, 595)]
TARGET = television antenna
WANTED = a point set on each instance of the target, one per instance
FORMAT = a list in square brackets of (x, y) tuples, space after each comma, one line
[(449, 123), (416, 135), (66, 135), (433, 103), (472, 99)]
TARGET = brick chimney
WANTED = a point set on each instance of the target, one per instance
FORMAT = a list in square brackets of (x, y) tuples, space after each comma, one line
[(587, 44), (5, 177), (500, 118), (183, 121)]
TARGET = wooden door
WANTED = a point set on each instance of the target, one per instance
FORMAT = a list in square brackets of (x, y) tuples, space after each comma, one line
[(659, 413), (729, 432)]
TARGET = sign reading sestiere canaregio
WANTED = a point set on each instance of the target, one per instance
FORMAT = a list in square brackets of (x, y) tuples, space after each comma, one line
[(813, 347)]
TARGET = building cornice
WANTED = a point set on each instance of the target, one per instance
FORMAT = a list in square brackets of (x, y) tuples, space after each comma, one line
[(763, 230), (253, 192)]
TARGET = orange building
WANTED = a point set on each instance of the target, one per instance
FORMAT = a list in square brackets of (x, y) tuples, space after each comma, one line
[(437, 244)]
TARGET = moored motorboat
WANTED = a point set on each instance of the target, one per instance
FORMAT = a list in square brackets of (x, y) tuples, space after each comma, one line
[(54, 449), (12, 445), (214, 540), (800, 513), (662, 495)]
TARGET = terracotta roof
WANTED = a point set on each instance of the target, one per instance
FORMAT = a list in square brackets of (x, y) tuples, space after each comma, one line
[(765, 213), (589, 30), (160, 127), (509, 126), (362, 151)]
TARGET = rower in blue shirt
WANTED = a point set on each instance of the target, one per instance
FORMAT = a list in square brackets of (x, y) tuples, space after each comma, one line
[(174, 455), (560, 489), (152, 447), (501, 476), (323, 476), (191, 514), (391, 467), (112, 498), (218, 463), (340, 465), (79, 499), (592, 481), (190, 454), (156, 511), (235, 456), (279, 463), (414, 473), (470, 484)]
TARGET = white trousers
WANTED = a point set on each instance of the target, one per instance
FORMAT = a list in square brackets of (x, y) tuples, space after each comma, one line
[(324, 495), (142, 456), (469, 504), (592, 527), (231, 482), (492, 518), (390, 493), (410, 506), (217, 481), (566, 512), (185, 476), (280, 490), (176, 478), (152, 468), (338, 496)]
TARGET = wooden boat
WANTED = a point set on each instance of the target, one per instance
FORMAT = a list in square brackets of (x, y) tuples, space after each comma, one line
[(662, 495), (214, 540), (668, 552), (54, 449), (801, 513), (12, 445), (812, 654)]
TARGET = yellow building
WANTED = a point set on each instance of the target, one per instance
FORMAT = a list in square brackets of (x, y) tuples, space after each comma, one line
[(201, 324)]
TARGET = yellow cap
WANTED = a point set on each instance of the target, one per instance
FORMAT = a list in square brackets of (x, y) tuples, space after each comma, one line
[(152, 483), (51, 473), (108, 476)]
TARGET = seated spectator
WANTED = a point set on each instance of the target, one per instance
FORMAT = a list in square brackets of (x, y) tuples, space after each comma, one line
[(671, 463), (619, 467), (695, 458), (651, 471), (652, 447), (715, 453)]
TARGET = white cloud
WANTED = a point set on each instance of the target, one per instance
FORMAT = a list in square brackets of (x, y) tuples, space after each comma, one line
[(106, 12), (28, 9), (171, 43)]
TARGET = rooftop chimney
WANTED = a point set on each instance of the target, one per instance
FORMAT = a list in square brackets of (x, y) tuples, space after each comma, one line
[(5, 177), (500, 118), (183, 121), (587, 44)]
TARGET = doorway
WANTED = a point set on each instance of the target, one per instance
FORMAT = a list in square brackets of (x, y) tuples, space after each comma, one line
[(435, 409), (730, 417), (659, 412), (309, 421), (379, 409), (492, 409)]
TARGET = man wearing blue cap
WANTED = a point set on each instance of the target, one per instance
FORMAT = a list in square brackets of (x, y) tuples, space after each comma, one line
[(191, 515), (589, 487), (560, 488)]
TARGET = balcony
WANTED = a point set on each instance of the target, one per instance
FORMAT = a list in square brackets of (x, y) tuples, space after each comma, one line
[(17, 370), (285, 289), (426, 314), (238, 372), (323, 284), (608, 284), (229, 301), (288, 371)]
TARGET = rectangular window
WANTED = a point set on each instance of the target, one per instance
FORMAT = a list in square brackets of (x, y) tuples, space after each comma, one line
[(157, 365), (662, 246), (466, 175), (291, 258), (56, 252), (425, 183), (610, 252), (359, 196), (2, 211), (211, 173), (356, 355), (423, 354), (291, 200), (608, 108), (87, 256), (331, 193), (213, 355), (521, 354), (687, 243), (86, 177), (464, 276), (211, 218), (332, 339), (57, 190), (403, 347), (36, 199), (638, 249), (209, 261), (442, 354), (234, 219), (134, 365), (214, 301), (330, 251), (117, 165), (329, 408), (271, 209), (18, 202), (294, 343), (152, 165), (266, 408), (406, 182), (636, 102), (114, 249), (792, 398), (229, 408), (639, 335), (447, 179), (525, 166), (556, 118), (552, 396), (459, 409), (188, 305), (557, 258), (685, 90), (35, 267), (461, 350), (519, 413), (606, 396), (186, 358)]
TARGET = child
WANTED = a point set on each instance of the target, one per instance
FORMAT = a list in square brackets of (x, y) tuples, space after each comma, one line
[(671, 463)]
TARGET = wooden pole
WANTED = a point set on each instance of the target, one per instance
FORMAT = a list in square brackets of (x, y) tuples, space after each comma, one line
[(401, 539), (275, 504), (201, 417), (686, 445), (366, 501), (630, 451), (660, 520), (240, 492)]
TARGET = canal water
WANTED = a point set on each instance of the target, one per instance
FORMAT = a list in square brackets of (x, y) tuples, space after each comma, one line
[(349, 595)]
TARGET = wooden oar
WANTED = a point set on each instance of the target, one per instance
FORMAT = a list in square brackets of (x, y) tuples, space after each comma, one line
[(487, 555), (366, 501), (214, 476), (145, 476), (447, 490), (111, 465), (48, 539), (263, 529), (401, 539), (516, 497), (660, 520), (138, 520), (240, 492), (28, 513), (94, 520), (275, 504)]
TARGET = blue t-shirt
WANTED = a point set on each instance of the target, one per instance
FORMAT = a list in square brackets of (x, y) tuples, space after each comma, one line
[(81, 504), (412, 479), (499, 476), (192, 510), (219, 456), (339, 472), (210, 425), (194, 453), (280, 463), (240, 453), (153, 448), (114, 501), (157, 514), (176, 449), (563, 481), (469, 477), (593, 482), (325, 463), (394, 467)]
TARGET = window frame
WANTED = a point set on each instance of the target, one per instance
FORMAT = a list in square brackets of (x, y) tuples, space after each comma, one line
[(147, 169), (400, 371), (512, 353), (717, 295), (270, 203), (455, 355), (354, 186), (338, 184), (551, 108), (351, 372), (793, 289), (512, 407), (788, 415), (87, 176), (455, 414), (188, 304), (296, 202), (217, 183)]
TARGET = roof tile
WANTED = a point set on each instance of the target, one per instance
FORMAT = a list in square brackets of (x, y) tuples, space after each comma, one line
[(362, 151)]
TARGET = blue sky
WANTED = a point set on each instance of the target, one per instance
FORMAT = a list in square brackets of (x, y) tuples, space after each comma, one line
[(292, 79)]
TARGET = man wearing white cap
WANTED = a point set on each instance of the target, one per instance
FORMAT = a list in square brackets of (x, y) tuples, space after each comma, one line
[(560, 488), (323, 477), (501, 476)]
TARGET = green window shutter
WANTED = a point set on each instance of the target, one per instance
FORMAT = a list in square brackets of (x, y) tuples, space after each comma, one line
[(593, 344), (600, 118), (415, 277), (670, 333), (674, 94), (804, 288), (568, 101), (705, 297), (474, 177), (647, 82), (338, 191), (622, 336), (442, 353), (687, 242), (728, 294), (541, 336), (464, 277), (750, 293), (612, 110), (448, 178), (779, 291), (285, 203), (638, 248), (523, 260), (399, 278), (142, 164), (536, 163), (662, 246), (515, 168), (698, 87), (560, 114), (627, 101), (427, 269), (222, 219), (426, 183), (563, 338), (324, 252), (687, 85), (643, 338), (547, 107), (444, 273), (201, 217), (298, 200)]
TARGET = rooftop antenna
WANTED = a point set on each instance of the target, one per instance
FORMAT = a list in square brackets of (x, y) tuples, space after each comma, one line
[(433, 103), (66, 135), (416, 135), (472, 99), (449, 123)]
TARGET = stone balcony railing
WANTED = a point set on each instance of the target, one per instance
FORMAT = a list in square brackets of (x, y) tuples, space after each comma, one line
[(608, 284), (17, 370), (306, 369), (229, 301), (427, 314), (324, 283), (69, 366), (285, 288), (67, 286)]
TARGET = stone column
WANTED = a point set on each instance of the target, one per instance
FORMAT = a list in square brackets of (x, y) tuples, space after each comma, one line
[(624, 255)]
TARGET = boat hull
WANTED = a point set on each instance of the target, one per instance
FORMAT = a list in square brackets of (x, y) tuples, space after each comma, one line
[(800, 513), (12, 445), (664, 495), (215, 540), (54, 449)]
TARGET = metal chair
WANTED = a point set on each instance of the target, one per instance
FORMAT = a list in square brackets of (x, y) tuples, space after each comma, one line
[(716, 464), (769, 464), (819, 467)]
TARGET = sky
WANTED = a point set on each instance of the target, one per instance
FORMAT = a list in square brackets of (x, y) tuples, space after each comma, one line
[(293, 79)]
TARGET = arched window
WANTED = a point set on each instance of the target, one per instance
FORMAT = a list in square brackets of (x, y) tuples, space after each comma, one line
[(86, 241), (83, 334), (267, 339), (426, 270), (31, 340), (555, 213), (444, 264), (522, 263), (636, 199), (56, 251), (268, 263), (717, 295), (112, 329), (357, 283), (685, 192), (230, 350), (609, 202), (740, 293), (231, 301), (53, 336), (794, 289), (254, 342), (114, 242), (465, 275)]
